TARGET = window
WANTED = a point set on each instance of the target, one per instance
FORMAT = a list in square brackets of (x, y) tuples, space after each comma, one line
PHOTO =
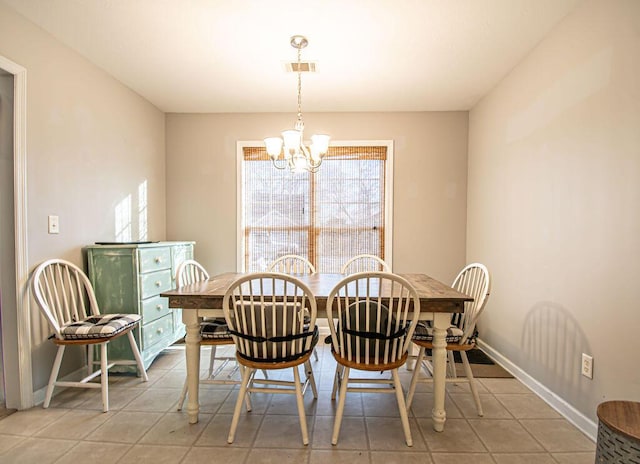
[(342, 210)]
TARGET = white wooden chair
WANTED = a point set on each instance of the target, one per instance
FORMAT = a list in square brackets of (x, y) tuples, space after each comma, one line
[(364, 263), (361, 263), (213, 331), (475, 281), (292, 264), (267, 318), (67, 300), (371, 333)]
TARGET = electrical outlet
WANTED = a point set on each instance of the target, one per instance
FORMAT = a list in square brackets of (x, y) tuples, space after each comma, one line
[(54, 225), (587, 365)]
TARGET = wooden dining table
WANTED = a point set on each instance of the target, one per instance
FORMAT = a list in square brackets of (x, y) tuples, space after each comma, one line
[(204, 299)]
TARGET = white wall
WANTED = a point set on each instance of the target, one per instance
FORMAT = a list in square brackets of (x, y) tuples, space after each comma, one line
[(554, 206), (90, 143), (429, 189)]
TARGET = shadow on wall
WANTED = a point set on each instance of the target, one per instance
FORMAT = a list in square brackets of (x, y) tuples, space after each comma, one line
[(552, 345)]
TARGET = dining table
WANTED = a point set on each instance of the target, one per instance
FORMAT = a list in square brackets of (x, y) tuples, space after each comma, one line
[(438, 301)]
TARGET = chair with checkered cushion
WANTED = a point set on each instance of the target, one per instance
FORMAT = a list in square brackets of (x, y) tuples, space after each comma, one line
[(213, 331), (475, 281), (66, 298)]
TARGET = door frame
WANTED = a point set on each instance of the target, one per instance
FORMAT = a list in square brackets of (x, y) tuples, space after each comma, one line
[(19, 394)]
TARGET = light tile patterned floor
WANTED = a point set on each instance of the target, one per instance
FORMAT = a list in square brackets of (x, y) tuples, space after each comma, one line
[(144, 426)]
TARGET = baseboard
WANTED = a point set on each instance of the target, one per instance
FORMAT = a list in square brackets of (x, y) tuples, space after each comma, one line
[(582, 422)]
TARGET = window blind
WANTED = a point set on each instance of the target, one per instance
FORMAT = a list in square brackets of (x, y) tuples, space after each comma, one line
[(327, 217)]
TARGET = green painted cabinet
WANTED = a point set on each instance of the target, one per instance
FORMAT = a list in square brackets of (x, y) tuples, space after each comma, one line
[(129, 278)]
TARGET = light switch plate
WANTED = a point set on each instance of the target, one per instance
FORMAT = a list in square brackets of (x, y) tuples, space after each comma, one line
[(54, 225), (587, 365)]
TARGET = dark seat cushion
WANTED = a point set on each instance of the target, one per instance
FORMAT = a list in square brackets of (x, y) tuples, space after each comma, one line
[(424, 333), (214, 329), (357, 333), (274, 320), (102, 326)]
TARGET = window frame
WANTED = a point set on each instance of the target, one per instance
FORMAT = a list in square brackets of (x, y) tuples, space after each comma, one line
[(388, 206)]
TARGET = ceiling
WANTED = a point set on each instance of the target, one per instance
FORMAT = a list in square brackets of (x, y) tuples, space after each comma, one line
[(372, 55)]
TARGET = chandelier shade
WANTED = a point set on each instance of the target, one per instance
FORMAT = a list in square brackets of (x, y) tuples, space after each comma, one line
[(290, 151)]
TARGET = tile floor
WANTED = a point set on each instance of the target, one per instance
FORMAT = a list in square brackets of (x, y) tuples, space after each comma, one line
[(143, 426)]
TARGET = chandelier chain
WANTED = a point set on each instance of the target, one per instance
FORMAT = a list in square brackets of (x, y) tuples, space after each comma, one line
[(299, 86)]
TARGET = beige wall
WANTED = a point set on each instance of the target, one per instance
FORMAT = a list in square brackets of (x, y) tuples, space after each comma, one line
[(554, 206), (429, 194), (90, 143)]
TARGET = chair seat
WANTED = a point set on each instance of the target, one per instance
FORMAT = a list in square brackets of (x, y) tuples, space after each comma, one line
[(103, 326), (215, 329), (369, 366), (424, 333)]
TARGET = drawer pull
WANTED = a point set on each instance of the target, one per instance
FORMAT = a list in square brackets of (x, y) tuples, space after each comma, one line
[(159, 307), (158, 259), (160, 330), (158, 283)]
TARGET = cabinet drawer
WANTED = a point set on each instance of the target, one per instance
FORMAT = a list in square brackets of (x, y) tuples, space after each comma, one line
[(153, 308), (154, 259), (155, 283), (158, 330)]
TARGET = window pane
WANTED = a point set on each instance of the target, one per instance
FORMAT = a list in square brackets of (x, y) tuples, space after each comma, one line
[(335, 247), (276, 214), (327, 217), (265, 245), (349, 210)]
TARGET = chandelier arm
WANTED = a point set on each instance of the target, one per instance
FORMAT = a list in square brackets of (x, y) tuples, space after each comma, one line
[(305, 150), (275, 165), (314, 164), (313, 168)]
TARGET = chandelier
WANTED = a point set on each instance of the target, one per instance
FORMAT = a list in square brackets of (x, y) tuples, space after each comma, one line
[(289, 151)]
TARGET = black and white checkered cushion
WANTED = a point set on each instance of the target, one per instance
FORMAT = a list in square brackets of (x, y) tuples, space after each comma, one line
[(214, 329), (103, 326), (424, 332)]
